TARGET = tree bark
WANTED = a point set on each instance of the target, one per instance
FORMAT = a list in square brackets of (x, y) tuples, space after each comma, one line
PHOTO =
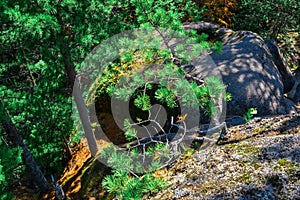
[(14, 136), (85, 118), (74, 87)]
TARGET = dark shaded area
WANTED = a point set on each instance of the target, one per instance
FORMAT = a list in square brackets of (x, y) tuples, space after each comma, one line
[(281, 64), (115, 134), (107, 122), (282, 150)]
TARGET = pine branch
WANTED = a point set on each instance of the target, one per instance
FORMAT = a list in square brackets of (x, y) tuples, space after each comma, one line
[(193, 134)]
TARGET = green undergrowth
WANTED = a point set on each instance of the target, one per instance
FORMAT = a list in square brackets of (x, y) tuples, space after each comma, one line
[(126, 186), (244, 149), (287, 165)]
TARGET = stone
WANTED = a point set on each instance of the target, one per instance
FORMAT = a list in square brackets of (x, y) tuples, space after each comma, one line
[(281, 64), (234, 121), (200, 27), (287, 107), (181, 193), (249, 73), (294, 93), (248, 69), (236, 156)]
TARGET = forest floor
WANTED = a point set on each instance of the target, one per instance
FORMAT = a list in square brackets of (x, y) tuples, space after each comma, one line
[(259, 159)]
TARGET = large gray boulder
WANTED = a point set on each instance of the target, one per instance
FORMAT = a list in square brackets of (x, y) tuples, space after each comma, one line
[(248, 69), (254, 73)]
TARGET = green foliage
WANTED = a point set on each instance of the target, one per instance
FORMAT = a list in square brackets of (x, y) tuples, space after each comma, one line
[(218, 46), (128, 77), (209, 94), (295, 67), (268, 17), (143, 102), (130, 134), (10, 168), (249, 115), (127, 124), (166, 95), (168, 92), (164, 14), (228, 96), (136, 160), (123, 182), (127, 187), (42, 41), (117, 160)]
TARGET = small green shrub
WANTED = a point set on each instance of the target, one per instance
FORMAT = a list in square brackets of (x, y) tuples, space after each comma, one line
[(126, 186), (124, 182), (249, 115)]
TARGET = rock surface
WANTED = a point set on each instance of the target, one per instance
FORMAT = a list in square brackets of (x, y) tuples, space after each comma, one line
[(294, 94), (259, 160), (281, 64), (252, 68), (200, 27), (249, 71)]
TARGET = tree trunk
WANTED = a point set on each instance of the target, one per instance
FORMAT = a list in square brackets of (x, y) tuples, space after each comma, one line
[(85, 118), (14, 136), (74, 87)]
